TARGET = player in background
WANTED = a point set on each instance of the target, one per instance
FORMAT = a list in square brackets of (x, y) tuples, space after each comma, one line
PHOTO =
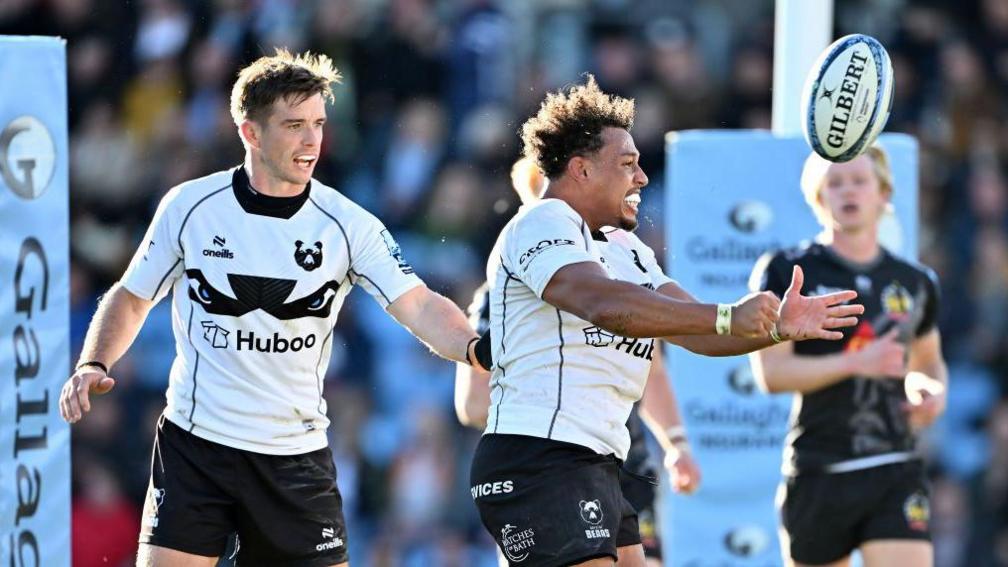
[(259, 259), (572, 326), (657, 409), (852, 476)]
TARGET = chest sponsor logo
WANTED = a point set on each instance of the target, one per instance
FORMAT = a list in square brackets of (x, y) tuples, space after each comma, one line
[(218, 249), (214, 334), (600, 338), (487, 488), (517, 543), (396, 252), (217, 337), (255, 292), (541, 246)]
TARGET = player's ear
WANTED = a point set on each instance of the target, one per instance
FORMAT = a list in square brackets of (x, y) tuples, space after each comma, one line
[(250, 133), (578, 168)]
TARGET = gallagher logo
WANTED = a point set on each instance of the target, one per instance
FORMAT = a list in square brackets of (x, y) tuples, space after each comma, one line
[(27, 157), (750, 216)]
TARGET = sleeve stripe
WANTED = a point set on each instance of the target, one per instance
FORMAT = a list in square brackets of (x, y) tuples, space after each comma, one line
[(161, 283), (342, 230), (387, 302)]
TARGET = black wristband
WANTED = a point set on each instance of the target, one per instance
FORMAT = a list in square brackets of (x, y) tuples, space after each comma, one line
[(101, 366), (483, 352)]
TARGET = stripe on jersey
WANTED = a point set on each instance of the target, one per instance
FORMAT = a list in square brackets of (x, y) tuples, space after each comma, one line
[(559, 374), (192, 410), (165, 277), (346, 240), (507, 280)]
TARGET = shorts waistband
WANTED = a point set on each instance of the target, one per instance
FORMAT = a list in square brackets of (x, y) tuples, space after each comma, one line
[(869, 462)]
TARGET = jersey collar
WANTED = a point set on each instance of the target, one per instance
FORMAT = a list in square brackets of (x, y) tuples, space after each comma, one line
[(255, 203)]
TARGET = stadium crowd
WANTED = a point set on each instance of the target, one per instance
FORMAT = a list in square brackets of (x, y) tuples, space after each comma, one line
[(423, 133)]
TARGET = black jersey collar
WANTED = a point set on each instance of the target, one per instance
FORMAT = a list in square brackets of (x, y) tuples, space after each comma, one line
[(254, 202)]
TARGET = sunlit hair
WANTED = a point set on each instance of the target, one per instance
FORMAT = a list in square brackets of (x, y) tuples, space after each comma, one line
[(570, 123), (282, 75), (813, 179), (528, 180)]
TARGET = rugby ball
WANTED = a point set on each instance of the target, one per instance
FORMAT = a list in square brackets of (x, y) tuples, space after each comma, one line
[(847, 97)]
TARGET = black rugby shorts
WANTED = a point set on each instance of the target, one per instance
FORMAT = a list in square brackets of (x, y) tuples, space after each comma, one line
[(286, 510), (829, 515), (549, 503)]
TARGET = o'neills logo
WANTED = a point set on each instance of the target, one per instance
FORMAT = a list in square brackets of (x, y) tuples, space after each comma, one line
[(845, 100), (276, 343)]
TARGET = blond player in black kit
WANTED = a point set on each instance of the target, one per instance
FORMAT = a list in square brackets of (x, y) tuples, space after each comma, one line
[(853, 479)]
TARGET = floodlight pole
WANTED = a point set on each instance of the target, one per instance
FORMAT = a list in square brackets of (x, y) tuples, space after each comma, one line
[(802, 29)]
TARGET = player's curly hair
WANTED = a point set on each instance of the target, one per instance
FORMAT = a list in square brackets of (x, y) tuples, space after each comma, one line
[(281, 75), (570, 122)]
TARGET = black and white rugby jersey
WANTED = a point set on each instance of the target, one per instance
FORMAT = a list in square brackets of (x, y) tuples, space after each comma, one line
[(558, 376), (257, 283), (859, 421)]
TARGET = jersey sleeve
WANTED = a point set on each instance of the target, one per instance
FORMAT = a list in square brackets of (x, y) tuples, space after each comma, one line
[(377, 263), (771, 273), (658, 276), (543, 241), (931, 303), (157, 262)]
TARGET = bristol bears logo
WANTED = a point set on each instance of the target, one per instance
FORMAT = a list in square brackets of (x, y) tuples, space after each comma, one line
[(591, 511), (308, 258)]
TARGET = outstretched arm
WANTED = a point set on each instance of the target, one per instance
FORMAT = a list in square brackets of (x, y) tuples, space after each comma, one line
[(800, 318), (115, 325), (630, 310), (437, 322)]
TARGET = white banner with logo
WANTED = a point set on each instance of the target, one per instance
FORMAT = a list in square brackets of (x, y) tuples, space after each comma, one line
[(34, 308), (732, 195)]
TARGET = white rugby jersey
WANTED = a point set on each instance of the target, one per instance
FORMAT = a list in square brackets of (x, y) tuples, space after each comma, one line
[(256, 291), (558, 376)]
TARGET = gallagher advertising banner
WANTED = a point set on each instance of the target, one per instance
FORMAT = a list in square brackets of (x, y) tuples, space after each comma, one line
[(730, 197), (34, 316)]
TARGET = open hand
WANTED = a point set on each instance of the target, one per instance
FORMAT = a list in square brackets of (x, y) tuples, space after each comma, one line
[(803, 317), (684, 474), (73, 400)]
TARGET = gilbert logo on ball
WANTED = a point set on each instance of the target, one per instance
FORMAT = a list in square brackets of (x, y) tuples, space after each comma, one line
[(847, 97)]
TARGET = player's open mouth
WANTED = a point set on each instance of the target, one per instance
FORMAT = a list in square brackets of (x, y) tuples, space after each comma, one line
[(632, 202), (849, 208), (305, 161)]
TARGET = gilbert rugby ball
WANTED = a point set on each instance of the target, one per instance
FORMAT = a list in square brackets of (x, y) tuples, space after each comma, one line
[(847, 97)]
